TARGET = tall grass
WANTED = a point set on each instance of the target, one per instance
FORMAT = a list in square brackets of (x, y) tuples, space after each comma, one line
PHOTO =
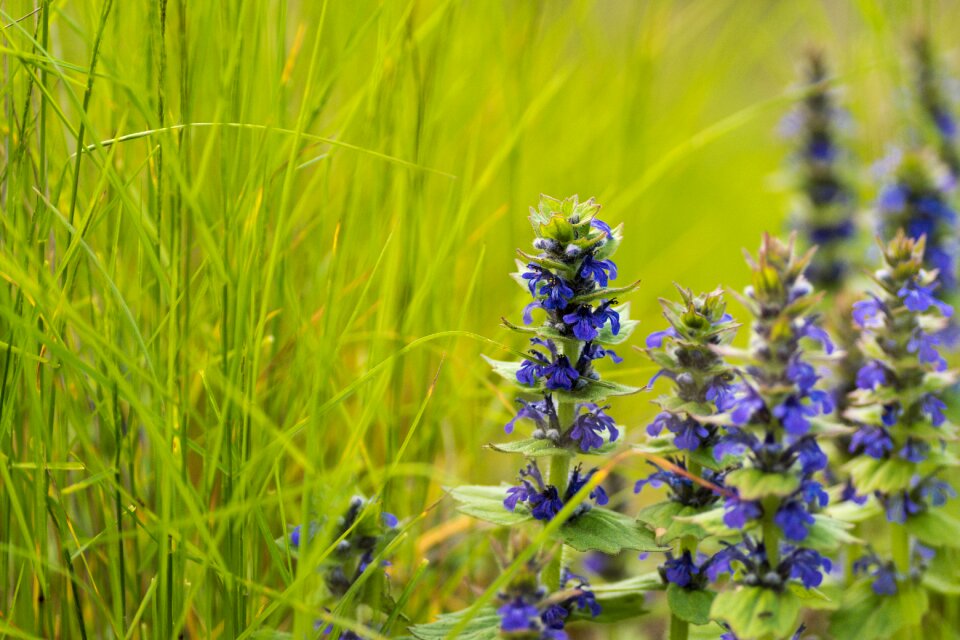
[(248, 248)]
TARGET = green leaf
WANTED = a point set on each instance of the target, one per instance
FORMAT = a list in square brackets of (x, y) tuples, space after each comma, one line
[(597, 390), (604, 293), (484, 626), (508, 371), (531, 447), (662, 517), (621, 600), (888, 476), (486, 503), (935, 527), (755, 484), (610, 246), (691, 605), (946, 585), (592, 391), (864, 614), (712, 523), (607, 531), (539, 447), (755, 612), (828, 534)]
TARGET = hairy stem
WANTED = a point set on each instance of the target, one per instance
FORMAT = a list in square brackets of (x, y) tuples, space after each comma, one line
[(560, 468), (771, 533)]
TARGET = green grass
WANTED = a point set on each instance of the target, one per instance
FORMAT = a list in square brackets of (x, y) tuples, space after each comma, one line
[(260, 288)]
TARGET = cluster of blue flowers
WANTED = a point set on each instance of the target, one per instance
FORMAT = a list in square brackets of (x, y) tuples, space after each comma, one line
[(362, 535), (529, 611), (687, 353), (916, 198), (934, 104), (545, 501), (898, 408), (769, 418), (569, 280), (824, 214)]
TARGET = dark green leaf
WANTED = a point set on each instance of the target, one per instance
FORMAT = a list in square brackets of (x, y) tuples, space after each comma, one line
[(607, 531), (691, 605)]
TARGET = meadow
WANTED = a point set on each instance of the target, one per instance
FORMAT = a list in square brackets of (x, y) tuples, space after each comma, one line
[(252, 252)]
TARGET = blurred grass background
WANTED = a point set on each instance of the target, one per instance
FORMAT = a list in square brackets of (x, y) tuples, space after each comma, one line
[(257, 301)]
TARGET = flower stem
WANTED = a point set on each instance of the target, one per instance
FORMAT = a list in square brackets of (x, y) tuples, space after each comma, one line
[(560, 469), (900, 550), (771, 533), (679, 629)]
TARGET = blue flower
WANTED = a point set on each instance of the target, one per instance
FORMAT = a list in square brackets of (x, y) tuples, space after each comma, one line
[(850, 494), (918, 299), (585, 598), (794, 519), (793, 414), (924, 345), (560, 375), (873, 441), (893, 198), (539, 412), (558, 293), (801, 374), (661, 421), (595, 351), (581, 322), (528, 311), (588, 426), (807, 565), (721, 393), (518, 615), (914, 450), (655, 339), (578, 480), (900, 506), (738, 512), (690, 434), (884, 573), (868, 314), (871, 375), (891, 413), (734, 442), (809, 329), (543, 500), (936, 492), (933, 407), (604, 314), (602, 271), (745, 405), (680, 571), (554, 617), (810, 456), (602, 226), (585, 321), (534, 276)]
